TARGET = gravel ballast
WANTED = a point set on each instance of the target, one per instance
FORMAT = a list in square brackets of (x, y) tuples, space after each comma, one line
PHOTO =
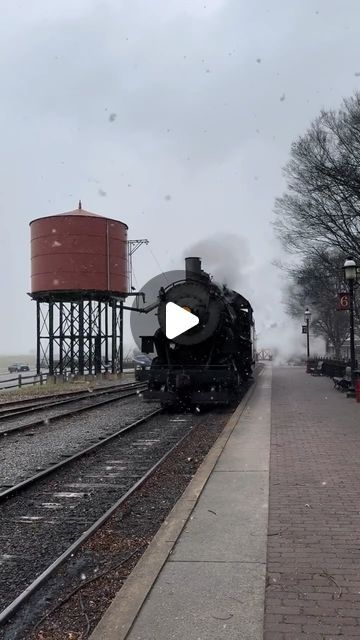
[(117, 546), (23, 454)]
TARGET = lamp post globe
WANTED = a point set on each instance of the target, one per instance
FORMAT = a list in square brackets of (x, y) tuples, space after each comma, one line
[(350, 270)]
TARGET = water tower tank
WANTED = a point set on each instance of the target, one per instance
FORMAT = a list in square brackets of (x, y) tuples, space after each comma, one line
[(78, 251)]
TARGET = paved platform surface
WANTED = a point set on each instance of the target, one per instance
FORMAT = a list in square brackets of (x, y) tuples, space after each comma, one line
[(296, 557), (313, 570)]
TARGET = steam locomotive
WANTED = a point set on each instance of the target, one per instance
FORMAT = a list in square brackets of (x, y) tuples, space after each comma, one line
[(209, 363)]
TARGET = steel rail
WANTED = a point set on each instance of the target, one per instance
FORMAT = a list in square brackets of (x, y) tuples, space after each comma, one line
[(67, 414), (49, 396), (28, 405), (16, 488), (22, 597)]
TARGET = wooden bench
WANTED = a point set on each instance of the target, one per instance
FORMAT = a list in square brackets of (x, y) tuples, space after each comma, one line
[(341, 384), (317, 370)]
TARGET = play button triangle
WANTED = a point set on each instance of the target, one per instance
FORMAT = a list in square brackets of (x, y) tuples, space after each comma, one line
[(178, 320)]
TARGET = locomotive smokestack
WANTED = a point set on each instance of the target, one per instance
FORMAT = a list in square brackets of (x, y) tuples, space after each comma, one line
[(193, 268)]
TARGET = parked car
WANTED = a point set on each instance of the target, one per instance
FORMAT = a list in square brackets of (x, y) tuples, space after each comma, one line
[(18, 366)]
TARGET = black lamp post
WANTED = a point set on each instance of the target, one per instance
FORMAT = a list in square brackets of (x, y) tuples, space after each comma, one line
[(350, 272), (307, 318)]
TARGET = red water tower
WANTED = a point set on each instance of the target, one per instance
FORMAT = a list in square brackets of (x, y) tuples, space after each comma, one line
[(79, 280)]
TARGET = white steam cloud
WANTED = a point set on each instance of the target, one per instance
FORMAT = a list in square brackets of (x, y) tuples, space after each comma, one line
[(228, 259), (224, 256)]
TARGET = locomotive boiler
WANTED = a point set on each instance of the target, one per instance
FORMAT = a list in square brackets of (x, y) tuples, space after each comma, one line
[(209, 363)]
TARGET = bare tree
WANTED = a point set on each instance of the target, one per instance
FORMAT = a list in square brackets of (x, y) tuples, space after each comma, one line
[(316, 283), (321, 207)]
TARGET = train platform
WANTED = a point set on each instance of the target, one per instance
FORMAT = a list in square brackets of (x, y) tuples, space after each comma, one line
[(265, 542)]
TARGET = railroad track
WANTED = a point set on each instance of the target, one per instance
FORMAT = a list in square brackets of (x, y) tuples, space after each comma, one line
[(44, 521), (30, 405), (88, 401), (22, 402)]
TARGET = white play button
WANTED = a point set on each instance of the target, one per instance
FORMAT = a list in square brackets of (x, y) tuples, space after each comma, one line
[(178, 320)]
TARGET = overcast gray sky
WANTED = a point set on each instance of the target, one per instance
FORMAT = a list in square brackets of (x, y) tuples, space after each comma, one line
[(208, 96)]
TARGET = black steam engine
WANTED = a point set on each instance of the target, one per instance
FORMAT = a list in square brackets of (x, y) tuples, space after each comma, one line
[(210, 362)]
